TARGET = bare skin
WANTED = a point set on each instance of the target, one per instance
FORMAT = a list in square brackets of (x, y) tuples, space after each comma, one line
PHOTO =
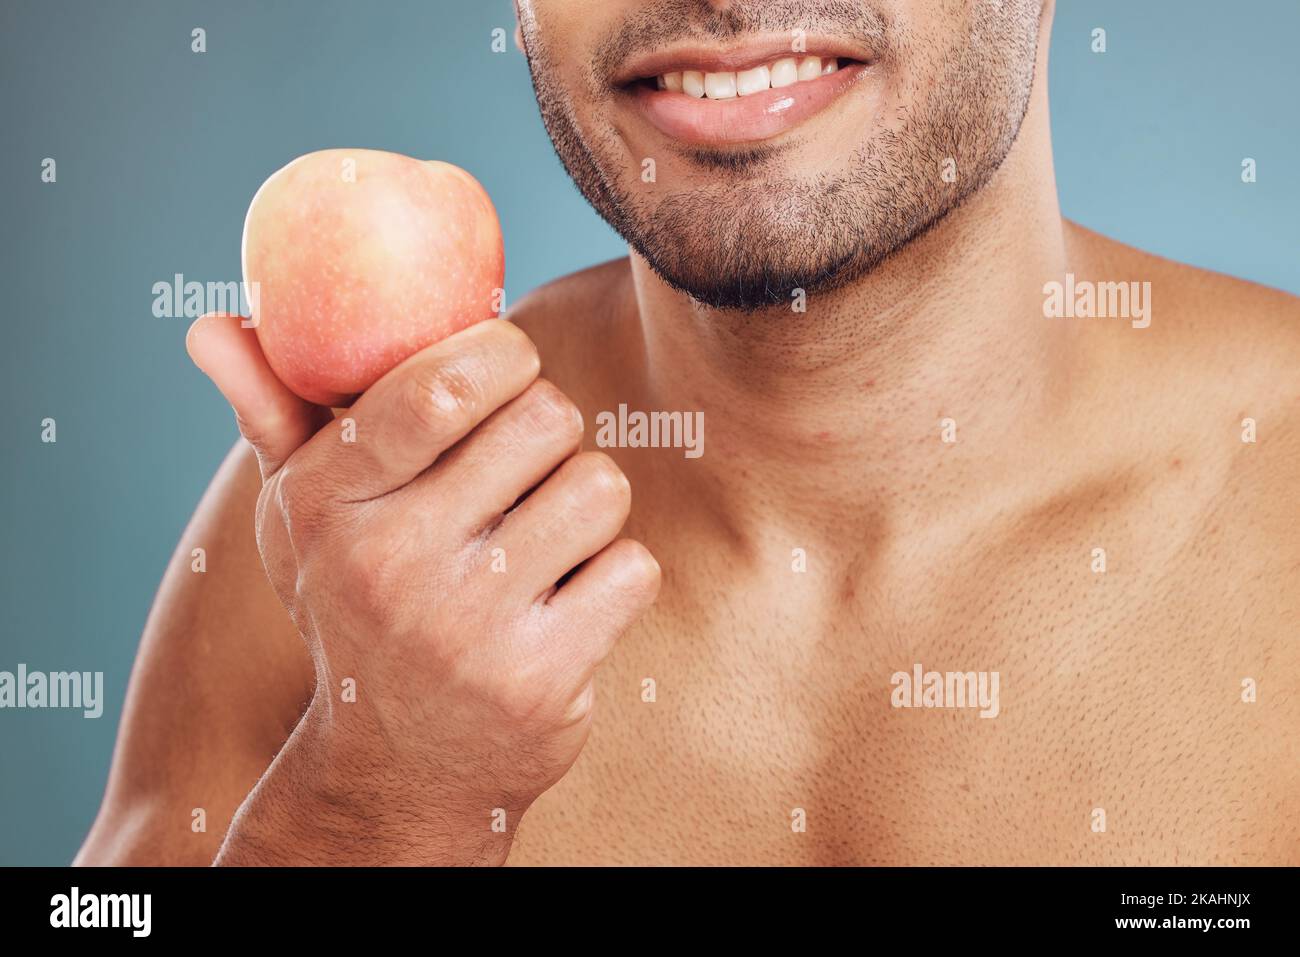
[(1121, 690)]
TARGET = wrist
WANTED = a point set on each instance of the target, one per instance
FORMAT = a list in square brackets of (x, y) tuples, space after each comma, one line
[(313, 809)]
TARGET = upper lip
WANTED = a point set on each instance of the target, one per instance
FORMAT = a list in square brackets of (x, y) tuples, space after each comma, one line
[(757, 51)]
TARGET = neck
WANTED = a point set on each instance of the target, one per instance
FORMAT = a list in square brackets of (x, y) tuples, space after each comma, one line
[(837, 415)]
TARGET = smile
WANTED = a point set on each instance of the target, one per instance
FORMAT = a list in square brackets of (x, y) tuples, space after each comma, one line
[(781, 73), (709, 97)]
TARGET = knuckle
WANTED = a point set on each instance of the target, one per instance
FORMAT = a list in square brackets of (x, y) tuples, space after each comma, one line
[(521, 692), (441, 397), (550, 411), (642, 575), (599, 480), (515, 342), (369, 572), (269, 512), (301, 495), (291, 495), (581, 708)]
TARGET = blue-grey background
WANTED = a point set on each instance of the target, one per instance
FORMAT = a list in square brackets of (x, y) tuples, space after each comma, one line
[(160, 149)]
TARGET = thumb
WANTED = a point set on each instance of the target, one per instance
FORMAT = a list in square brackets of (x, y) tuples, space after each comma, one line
[(273, 420)]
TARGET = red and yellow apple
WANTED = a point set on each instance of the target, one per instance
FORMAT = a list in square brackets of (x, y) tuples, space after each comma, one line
[(357, 259)]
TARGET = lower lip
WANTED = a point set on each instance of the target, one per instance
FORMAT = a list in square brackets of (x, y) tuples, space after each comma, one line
[(744, 119)]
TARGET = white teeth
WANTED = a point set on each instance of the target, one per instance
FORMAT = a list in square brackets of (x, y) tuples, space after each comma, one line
[(810, 67), (753, 81), (785, 72), (720, 86), (726, 86)]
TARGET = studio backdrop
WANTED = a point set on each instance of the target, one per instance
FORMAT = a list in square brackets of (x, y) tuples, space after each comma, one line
[(136, 131)]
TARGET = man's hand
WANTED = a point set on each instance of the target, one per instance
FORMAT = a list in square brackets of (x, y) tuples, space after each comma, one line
[(454, 672)]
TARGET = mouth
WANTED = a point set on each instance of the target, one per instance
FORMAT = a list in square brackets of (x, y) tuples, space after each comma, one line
[(710, 97)]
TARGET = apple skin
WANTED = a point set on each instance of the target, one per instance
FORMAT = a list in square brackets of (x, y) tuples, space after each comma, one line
[(357, 259)]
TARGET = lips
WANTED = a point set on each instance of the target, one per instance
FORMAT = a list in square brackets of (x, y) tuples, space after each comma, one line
[(742, 94), (759, 115)]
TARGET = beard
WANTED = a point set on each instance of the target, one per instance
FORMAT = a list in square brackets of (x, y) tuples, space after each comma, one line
[(759, 234)]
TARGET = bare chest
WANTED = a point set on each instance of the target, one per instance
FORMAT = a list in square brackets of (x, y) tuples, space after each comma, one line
[(1031, 715)]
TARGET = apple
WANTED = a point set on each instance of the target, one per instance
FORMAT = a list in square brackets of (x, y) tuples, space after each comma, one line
[(357, 259)]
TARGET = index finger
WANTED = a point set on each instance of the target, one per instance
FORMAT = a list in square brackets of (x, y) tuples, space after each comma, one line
[(402, 423)]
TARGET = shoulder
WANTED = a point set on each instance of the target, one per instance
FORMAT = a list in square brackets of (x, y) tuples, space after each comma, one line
[(1191, 426), (583, 297), (1207, 399), (1203, 315), (1216, 347)]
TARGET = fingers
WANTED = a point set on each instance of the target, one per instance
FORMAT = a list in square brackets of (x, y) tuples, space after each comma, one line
[(407, 419), (273, 420), (570, 517), (612, 589), (479, 479), (607, 595)]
